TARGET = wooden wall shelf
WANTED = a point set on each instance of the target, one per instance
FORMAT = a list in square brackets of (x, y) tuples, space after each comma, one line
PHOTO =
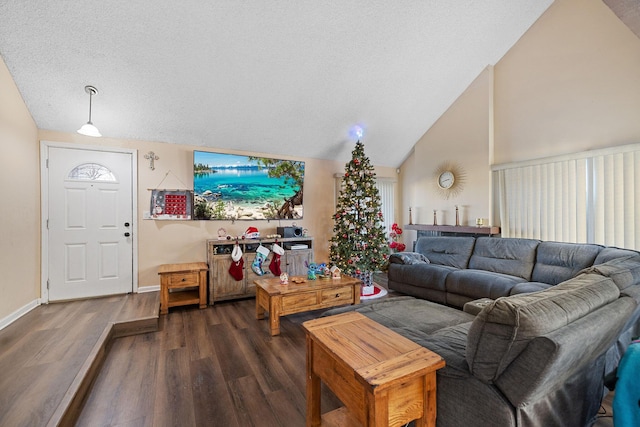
[(454, 229)]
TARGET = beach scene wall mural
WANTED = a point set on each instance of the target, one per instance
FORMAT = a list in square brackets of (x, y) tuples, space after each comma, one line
[(235, 187)]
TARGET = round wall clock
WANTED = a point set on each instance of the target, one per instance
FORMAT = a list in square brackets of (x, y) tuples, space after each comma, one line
[(449, 179), (446, 180)]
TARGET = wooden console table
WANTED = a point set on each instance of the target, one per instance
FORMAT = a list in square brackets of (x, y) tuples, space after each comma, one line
[(382, 378)]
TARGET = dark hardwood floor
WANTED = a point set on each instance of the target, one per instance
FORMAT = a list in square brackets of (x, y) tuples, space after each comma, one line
[(47, 355), (212, 367)]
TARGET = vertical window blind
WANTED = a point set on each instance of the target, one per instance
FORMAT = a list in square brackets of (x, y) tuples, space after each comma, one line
[(386, 189), (591, 197)]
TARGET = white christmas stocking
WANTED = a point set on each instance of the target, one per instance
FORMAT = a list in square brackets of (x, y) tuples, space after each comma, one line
[(261, 256)]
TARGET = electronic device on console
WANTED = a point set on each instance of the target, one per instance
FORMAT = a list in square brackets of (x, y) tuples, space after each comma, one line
[(289, 231)]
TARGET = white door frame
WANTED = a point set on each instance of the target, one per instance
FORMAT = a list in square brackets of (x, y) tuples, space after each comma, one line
[(44, 208)]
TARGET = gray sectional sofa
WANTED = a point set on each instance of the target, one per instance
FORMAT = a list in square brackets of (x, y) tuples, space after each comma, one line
[(560, 317), (456, 270)]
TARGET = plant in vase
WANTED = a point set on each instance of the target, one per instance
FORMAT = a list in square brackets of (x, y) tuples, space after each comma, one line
[(394, 235)]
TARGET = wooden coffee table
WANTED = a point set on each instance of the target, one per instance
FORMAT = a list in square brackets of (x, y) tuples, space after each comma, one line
[(382, 378), (281, 300)]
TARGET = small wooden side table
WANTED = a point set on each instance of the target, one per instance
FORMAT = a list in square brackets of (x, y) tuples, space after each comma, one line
[(382, 378), (188, 282)]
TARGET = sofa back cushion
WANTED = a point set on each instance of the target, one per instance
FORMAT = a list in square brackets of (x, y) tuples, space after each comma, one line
[(446, 250), (557, 262), (514, 257), (624, 272), (611, 252), (502, 330)]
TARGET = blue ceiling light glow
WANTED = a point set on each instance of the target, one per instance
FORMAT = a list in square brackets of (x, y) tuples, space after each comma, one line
[(356, 132)]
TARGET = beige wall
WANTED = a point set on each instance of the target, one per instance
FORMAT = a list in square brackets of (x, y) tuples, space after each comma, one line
[(461, 136), (569, 84), (20, 206)]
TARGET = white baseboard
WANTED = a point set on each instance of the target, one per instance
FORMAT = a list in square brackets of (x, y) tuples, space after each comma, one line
[(19, 313), (153, 288)]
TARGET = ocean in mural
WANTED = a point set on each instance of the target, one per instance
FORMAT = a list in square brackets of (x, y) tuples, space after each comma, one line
[(240, 185)]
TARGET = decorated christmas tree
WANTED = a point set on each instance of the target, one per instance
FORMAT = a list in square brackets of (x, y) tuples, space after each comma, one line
[(359, 246)]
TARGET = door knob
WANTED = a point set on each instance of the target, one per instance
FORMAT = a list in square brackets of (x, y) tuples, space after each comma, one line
[(127, 234), (126, 224)]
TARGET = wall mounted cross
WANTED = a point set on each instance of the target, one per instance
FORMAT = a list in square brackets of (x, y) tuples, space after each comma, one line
[(151, 156)]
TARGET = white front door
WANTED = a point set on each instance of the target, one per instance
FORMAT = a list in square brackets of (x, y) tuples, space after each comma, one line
[(89, 227)]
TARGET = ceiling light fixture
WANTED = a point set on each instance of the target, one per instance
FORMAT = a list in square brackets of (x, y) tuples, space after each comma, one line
[(88, 128)]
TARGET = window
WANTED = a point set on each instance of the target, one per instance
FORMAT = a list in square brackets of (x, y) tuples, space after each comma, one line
[(91, 172), (591, 197), (386, 189)]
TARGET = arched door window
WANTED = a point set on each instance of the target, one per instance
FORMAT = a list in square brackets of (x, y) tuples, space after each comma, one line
[(91, 172)]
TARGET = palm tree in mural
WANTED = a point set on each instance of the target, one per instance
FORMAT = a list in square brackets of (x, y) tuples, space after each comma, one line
[(293, 174)]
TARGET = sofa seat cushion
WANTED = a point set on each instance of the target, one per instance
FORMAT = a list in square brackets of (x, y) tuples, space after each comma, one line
[(424, 275), (511, 256), (557, 262), (452, 252), (419, 317), (449, 342), (481, 284), (528, 287), (624, 272), (504, 328)]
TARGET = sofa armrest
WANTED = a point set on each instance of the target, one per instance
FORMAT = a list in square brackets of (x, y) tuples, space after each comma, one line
[(550, 360)]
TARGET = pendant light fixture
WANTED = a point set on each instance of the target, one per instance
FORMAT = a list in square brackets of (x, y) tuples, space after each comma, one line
[(88, 128)]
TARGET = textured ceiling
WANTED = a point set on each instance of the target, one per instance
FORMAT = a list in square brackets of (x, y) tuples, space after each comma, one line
[(278, 77)]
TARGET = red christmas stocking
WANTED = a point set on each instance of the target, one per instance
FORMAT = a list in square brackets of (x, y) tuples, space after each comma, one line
[(274, 265), (237, 263), (236, 268)]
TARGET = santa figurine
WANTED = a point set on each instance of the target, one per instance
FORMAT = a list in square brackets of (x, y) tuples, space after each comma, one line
[(251, 233), (284, 279)]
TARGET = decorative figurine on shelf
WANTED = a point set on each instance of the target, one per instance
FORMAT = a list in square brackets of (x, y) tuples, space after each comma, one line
[(410, 219), (311, 272), (251, 233), (435, 219), (335, 272), (457, 216), (222, 233), (284, 279)]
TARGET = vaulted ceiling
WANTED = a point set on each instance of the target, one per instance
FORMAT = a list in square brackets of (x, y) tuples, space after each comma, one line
[(277, 77), (628, 11)]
